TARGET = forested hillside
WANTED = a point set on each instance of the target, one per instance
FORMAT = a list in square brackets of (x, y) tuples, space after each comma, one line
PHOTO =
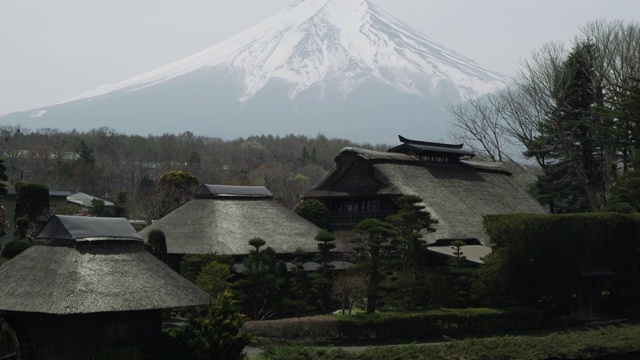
[(102, 162)]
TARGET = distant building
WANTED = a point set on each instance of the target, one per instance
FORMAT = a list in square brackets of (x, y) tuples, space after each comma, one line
[(456, 191), (87, 284), (84, 200)]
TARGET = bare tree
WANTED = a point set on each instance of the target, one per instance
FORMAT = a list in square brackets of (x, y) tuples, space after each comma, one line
[(478, 123)]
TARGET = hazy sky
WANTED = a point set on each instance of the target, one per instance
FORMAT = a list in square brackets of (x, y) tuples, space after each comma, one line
[(51, 50)]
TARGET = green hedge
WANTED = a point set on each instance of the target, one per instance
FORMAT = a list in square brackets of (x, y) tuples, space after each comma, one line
[(437, 323), (603, 343), (548, 253), (434, 324)]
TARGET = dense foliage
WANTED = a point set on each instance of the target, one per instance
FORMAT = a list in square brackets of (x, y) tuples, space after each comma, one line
[(550, 253), (3, 192), (102, 162), (32, 202)]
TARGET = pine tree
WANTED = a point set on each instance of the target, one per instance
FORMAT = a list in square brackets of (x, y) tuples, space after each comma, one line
[(576, 139), (260, 289), (372, 248)]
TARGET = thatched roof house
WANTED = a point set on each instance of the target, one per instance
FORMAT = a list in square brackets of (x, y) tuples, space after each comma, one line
[(222, 219), (456, 191), (88, 283)]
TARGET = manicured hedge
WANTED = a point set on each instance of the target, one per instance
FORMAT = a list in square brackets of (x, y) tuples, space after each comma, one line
[(399, 326), (537, 260), (437, 323), (601, 344)]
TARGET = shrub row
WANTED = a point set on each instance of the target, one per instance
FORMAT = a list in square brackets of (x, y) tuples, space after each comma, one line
[(437, 323), (397, 326), (603, 343)]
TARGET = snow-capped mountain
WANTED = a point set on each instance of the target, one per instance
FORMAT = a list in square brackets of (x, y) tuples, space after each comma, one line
[(344, 68)]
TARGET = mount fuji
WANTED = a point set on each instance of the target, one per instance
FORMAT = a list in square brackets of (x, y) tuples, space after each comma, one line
[(343, 68)]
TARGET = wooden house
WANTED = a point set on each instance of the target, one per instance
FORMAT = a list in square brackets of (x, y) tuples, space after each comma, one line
[(456, 190), (88, 284), (222, 219)]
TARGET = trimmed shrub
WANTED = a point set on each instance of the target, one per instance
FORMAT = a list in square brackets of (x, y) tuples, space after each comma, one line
[(316, 212), (14, 248), (158, 243)]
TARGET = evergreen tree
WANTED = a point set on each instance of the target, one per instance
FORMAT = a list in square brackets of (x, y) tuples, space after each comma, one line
[(577, 140), (260, 288), (323, 277), (218, 334), (98, 208), (3, 191), (214, 278), (411, 221), (157, 243), (460, 275), (120, 205), (32, 202), (303, 295), (625, 194), (372, 247)]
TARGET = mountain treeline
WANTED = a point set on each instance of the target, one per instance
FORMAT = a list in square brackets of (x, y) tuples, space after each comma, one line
[(574, 110), (103, 162)]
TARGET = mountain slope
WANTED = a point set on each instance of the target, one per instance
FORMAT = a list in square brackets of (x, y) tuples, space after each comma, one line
[(344, 68)]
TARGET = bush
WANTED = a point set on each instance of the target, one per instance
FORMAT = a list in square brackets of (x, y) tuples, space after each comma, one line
[(14, 248), (316, 212), (217, 335), (158, 243)]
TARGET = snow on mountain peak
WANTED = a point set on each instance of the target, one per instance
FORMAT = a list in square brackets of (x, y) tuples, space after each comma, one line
[(322, 42)]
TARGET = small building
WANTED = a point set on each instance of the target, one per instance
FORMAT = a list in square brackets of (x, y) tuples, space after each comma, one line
[(88, 284), (85, 200), (221, 219), (457, 191)]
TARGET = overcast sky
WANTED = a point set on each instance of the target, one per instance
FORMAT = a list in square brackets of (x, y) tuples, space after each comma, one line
[(51, 50)]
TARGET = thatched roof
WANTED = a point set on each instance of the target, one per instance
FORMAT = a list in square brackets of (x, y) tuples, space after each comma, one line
[(225, 224), (457, 195), (90, 276)]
